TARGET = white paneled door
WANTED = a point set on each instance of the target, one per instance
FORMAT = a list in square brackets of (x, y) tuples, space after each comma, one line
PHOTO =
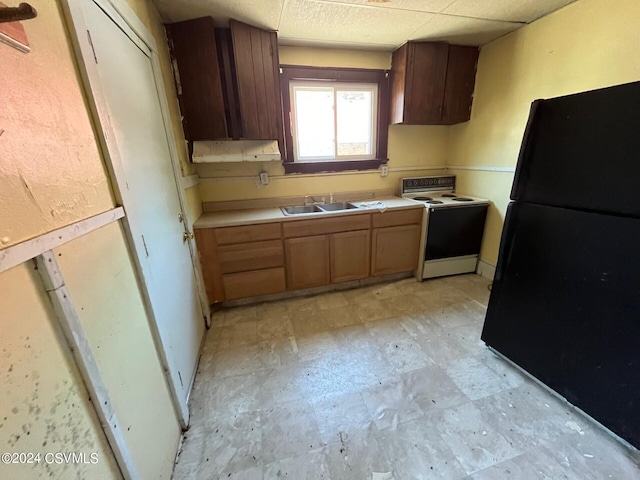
[(120, 71)]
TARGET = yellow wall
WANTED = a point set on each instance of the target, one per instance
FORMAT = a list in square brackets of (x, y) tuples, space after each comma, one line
[(329, 57), (52, 175), (409, 146), (588, 44)]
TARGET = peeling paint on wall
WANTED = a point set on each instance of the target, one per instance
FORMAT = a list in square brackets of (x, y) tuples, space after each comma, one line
[(51, 172)]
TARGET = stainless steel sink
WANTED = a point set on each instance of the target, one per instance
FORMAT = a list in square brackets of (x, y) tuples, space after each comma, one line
[(300, 209), (333, 207)]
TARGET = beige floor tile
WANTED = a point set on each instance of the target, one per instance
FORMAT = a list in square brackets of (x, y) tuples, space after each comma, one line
[(432, 389), (343, 316), (289, 430), (232, 443), (341, 414), (475, 442), (313, 465), (417, 450), (406, 355), (390, 404), (384, 378), (357, 455), (274, 327), (331, 300)]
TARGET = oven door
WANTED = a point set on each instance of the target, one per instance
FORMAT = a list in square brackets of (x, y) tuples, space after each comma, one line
[(454, 231)]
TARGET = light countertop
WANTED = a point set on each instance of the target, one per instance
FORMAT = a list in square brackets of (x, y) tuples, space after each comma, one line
[(232, 218)]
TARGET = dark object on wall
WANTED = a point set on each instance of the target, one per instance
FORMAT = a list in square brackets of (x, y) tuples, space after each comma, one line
[(11, 30), (24, 11), (565, 303)]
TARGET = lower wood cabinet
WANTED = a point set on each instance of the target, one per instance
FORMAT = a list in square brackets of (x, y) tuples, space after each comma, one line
[(253, 260), (350, 255), (395, 249), (307, 260), (254, 283)]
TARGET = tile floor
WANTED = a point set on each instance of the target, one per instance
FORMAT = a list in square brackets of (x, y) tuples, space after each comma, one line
[(388, 379)]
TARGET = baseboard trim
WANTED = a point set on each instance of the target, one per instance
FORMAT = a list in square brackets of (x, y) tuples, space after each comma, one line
[(486, 270)]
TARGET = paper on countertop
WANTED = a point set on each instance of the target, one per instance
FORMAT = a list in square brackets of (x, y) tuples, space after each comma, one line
[(378, 204)]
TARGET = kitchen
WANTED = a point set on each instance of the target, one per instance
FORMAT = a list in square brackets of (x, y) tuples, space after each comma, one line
[(59, 178)]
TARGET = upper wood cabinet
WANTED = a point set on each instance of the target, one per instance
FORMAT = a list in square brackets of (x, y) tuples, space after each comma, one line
[(432, 83), (258, 75), (228, 80), (195, 64)]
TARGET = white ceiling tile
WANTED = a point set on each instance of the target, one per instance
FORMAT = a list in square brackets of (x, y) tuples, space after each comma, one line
[(428, 6), (508, 10), (463, 31), (327, 21), (260, 13), (369, 24)]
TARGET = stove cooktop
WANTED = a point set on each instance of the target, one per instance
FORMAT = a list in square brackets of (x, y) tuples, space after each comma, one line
[(444, 199), (436, 191)]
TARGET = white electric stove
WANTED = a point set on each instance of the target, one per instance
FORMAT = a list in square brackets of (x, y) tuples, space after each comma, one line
[(454, 225)]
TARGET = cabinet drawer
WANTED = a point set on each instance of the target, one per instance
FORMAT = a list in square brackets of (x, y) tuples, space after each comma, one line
[(250, 256), (254, 283), (247, 233), (322, 226), (401, 217)]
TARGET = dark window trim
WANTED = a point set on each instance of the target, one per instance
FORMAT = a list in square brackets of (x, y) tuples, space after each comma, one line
[(355, 75)]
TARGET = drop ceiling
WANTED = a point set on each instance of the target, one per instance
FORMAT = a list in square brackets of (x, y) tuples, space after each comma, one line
[(369, 24)]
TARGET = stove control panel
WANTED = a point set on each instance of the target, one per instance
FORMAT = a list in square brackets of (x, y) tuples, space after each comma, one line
[(427, 184)]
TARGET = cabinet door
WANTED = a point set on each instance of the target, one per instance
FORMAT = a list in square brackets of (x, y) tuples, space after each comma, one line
[(425, 82), (398, 84), (193, 47), (258, 74), (307, 261), (461, 78), (350, 255), (395, 249)]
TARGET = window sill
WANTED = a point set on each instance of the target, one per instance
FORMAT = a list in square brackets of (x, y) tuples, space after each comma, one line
[(333, 166)]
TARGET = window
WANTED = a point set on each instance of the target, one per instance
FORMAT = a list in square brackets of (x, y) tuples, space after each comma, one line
[(335, 119)]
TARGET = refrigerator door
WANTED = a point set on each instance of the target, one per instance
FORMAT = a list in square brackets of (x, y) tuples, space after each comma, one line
[(583, 151), (565, 306)]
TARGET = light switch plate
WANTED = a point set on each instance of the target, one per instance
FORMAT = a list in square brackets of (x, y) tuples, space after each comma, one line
[(264, 178)]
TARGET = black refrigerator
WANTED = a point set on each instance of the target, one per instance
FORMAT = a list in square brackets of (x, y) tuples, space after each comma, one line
[(565, 301)]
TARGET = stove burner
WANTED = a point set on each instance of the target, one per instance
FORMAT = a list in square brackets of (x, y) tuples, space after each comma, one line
[(423, 199), (434, 202), (462, 199), (449, 195)]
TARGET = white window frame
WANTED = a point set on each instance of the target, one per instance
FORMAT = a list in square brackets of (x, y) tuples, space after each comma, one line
[(336, 87)]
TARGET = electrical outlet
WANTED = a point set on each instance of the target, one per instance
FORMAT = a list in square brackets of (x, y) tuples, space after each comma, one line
[(384, 170), (264, 178)]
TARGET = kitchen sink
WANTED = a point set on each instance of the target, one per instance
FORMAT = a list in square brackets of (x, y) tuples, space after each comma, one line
[(333, 207), (300, 209)]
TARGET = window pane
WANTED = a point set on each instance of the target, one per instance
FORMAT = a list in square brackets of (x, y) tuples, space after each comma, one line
[(314, 122), (354, 122)]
